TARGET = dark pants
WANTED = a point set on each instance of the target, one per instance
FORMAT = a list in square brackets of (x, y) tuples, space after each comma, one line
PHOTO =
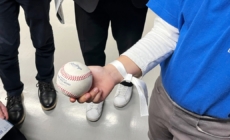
[(14, 134), (37, 18), (127, 23)]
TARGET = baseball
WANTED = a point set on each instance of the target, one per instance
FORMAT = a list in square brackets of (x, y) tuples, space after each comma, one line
[(74, 79)]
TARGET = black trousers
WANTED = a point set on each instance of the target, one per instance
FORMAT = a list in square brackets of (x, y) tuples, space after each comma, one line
[(37, 18), (127, 24), (14, 134)]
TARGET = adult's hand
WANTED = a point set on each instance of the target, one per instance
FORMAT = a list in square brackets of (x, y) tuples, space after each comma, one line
[(104, 80), (3, 111)]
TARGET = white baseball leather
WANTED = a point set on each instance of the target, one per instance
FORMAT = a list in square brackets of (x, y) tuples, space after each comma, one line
[(74, 79)]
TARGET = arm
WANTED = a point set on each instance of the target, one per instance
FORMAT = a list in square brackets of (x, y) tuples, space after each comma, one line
[(151, 50), (154, 47)]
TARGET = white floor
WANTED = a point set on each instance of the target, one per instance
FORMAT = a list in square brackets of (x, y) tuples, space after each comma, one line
[(67, 121)]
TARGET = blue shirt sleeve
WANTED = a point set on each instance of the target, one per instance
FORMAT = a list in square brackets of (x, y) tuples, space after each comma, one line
[(169, 10)]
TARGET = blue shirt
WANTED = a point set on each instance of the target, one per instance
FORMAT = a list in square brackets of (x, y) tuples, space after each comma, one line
[(197, 75)]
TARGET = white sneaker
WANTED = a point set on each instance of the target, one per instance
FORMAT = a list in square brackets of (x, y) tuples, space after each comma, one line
[(94, 111), (123, 95)]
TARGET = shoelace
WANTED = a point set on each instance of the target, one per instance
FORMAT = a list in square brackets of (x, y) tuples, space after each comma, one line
[(94, 106), (11, 100), (121, 90), (45, 86)]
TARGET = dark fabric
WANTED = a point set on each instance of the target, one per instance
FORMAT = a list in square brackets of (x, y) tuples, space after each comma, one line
[(127, 24), (14, 134), (87, 5), (37, 18), (90, 5), (139, 3)]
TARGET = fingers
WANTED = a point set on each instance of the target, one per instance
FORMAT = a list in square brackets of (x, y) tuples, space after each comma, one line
[(86, 98), (93, 96), (3, 112), (97, 98), (72, 99), (90, 96), (82, 99)]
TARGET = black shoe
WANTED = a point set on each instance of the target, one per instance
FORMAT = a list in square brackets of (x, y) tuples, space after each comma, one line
[(47, 95), (15, 109)]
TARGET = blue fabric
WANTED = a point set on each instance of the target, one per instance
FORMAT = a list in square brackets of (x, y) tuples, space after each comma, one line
[(197, 75)]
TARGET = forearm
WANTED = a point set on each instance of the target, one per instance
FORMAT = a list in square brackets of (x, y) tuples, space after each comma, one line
[(130, 66), (152, 49)]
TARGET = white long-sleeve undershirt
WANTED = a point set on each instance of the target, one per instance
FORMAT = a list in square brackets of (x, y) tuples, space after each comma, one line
[(155, 46)]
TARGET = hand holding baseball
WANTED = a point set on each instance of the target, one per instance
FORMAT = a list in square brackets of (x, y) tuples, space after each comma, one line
[(103, 83), (74, 79), (3, 111)]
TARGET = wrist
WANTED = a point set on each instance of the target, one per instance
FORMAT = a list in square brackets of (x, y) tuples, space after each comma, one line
[(114, 73)]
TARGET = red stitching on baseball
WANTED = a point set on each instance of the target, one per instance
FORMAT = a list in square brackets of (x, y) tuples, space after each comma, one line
[(74, 78), (67, 93)]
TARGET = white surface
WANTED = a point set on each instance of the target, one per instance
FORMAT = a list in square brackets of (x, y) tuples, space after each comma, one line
[(5, 126), (68, 121)]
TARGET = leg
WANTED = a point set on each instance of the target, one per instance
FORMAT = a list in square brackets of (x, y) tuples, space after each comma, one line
[(160, 113), (92, 31), (127, 23), (169, 121), (9, 65), (9, 43), (37, 18)]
